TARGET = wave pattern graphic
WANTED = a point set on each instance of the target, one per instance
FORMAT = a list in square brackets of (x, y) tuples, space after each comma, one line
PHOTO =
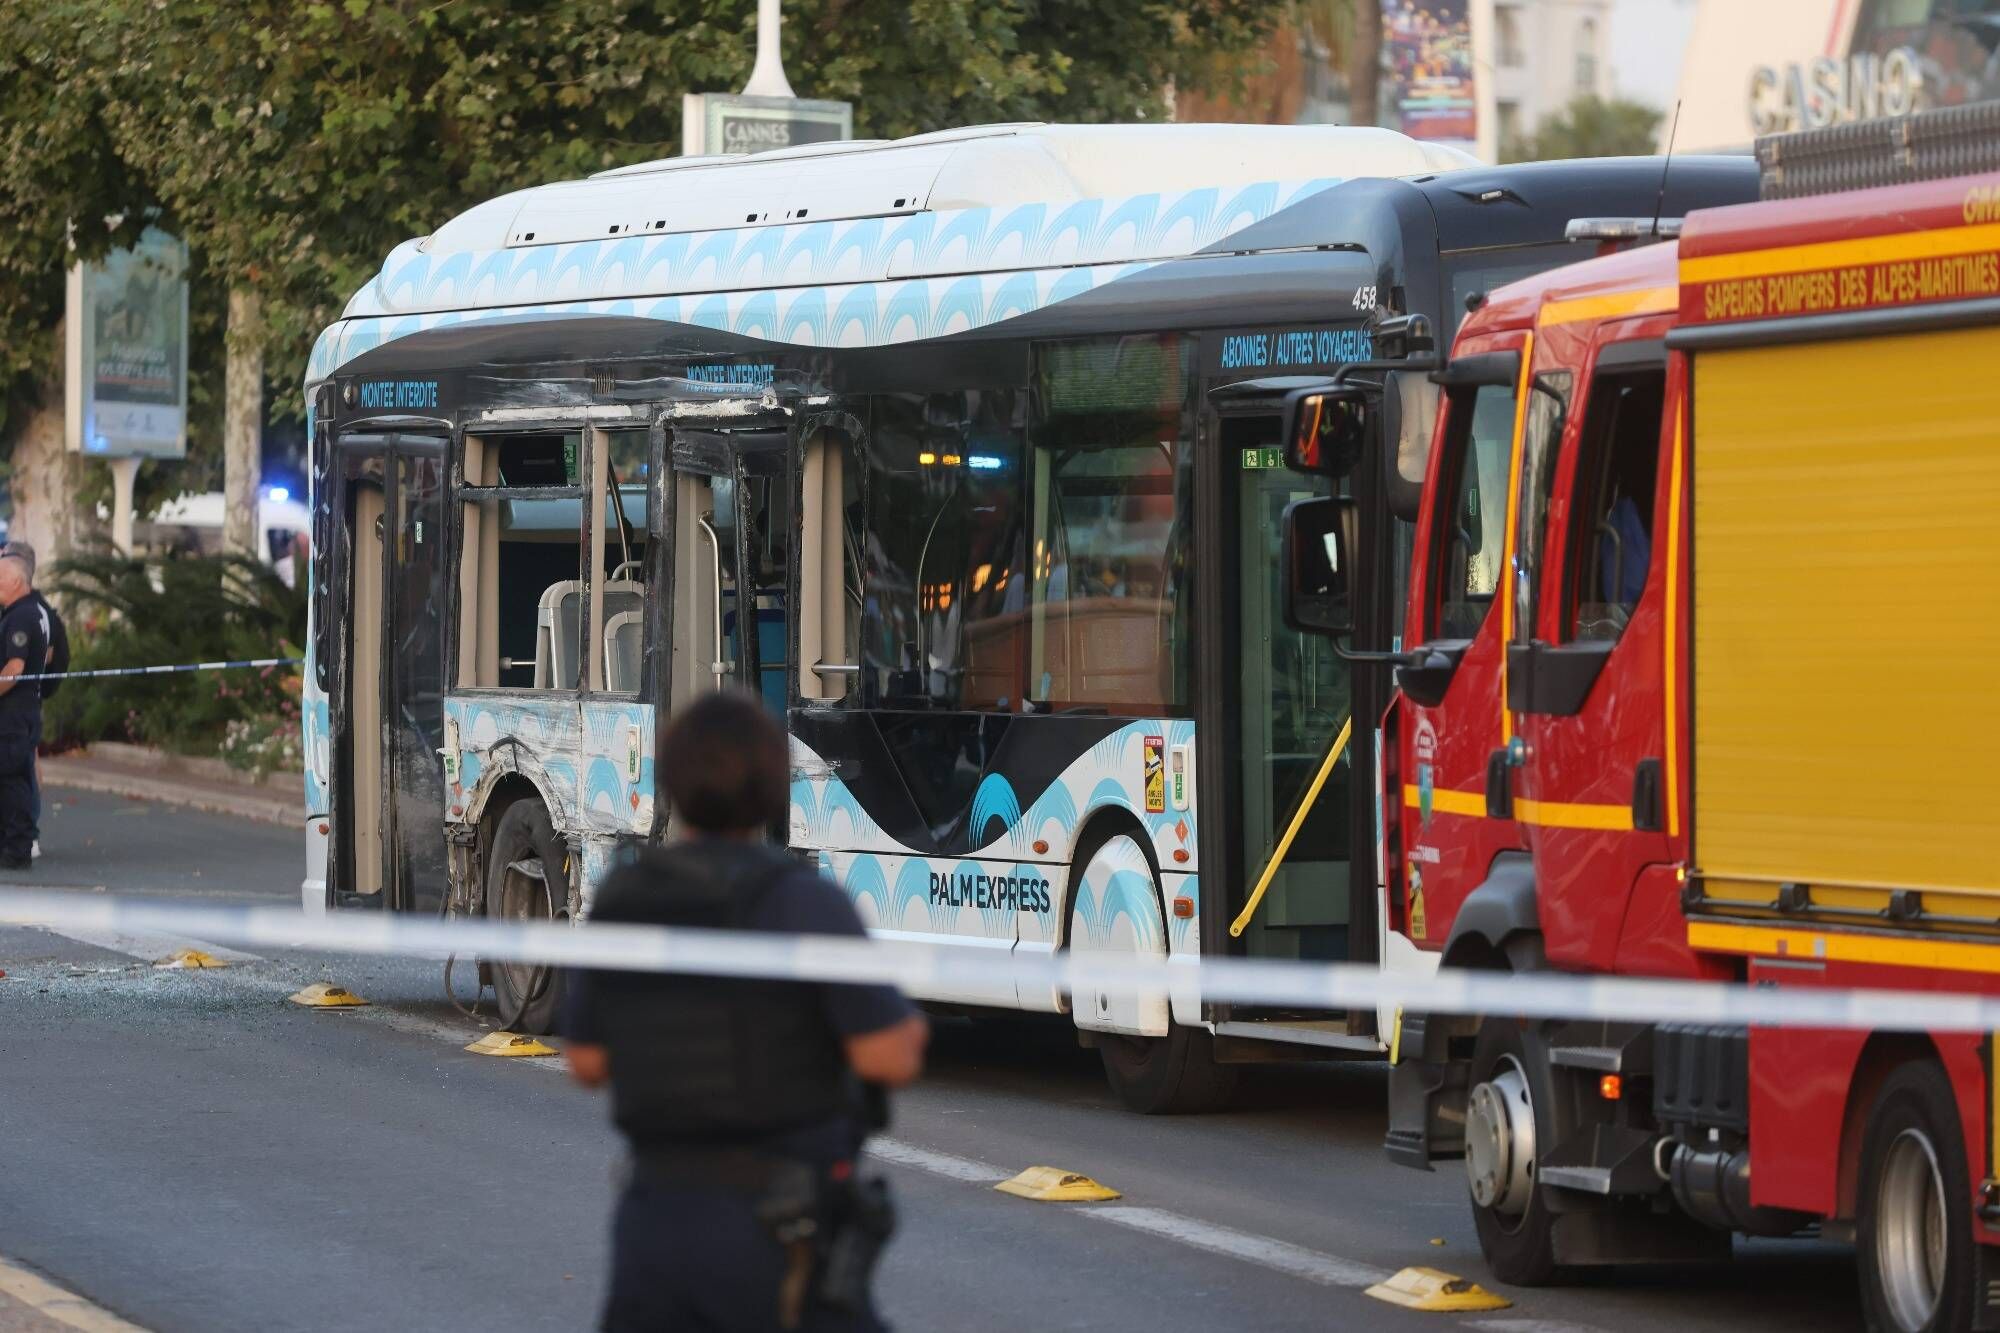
[(864, 283), (1159, 225)]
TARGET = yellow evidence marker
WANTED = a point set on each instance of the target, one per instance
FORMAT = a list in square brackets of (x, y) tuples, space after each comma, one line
[(1428, 1289), (511, 1044), (326, 995), (190, 958), (1052, 1184)]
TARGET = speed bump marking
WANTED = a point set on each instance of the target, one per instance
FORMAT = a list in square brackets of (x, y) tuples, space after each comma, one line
[(326, 995), (1052, 1184), (191, 958), (1429, 1289), (511, 1044)]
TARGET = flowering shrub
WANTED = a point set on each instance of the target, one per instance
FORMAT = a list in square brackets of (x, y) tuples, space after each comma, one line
[(128, 613), (263, 746)]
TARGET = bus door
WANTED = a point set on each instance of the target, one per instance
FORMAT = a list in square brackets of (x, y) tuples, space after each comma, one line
[(732, 500), (1284, 706), (390, 560)]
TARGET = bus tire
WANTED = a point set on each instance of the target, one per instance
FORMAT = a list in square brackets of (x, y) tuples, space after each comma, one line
[(1172, 1075), (1913, 1238), (1506, 1118), (1175, 1074), (528, 996)]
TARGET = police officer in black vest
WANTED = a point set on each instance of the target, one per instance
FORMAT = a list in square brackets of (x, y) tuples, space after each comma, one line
[(744, 1102), (24, 649)]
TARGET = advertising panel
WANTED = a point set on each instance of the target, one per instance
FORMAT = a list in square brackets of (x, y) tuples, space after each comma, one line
[(1427, 71), (127, 352)]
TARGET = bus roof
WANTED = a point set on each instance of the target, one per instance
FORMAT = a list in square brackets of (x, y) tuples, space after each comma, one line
[(965, 201)]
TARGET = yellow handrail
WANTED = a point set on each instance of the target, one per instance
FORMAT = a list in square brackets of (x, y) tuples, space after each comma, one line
[(1237, 926)]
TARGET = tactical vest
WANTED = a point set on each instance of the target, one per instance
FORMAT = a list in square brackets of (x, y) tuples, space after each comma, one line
[(712, 1059)]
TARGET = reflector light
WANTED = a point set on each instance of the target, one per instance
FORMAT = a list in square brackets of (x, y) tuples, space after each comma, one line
[(1611, 1087), (1184, 908)]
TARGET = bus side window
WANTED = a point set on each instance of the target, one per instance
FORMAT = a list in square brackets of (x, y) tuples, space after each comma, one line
[(942, 550), (1112, 498), (1610, 546), (521, 611)]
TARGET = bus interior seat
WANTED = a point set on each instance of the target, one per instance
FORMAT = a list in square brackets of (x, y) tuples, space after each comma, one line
[(624, 635), (555, 635)]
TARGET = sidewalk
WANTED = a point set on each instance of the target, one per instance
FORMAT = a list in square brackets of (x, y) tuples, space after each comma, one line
[(30, 1303), (201, 784)]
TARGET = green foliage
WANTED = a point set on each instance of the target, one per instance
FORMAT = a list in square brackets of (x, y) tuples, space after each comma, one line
[(1590, 127), (294, 144), (127, 613)]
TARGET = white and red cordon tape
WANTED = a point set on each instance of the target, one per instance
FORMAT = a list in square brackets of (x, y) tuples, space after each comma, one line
[(922, 968)]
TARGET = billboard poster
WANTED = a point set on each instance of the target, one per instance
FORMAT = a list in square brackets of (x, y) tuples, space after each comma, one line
[(127, 352), (1427, 74)]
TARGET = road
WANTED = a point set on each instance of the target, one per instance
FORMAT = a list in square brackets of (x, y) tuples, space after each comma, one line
[(192, 1152)]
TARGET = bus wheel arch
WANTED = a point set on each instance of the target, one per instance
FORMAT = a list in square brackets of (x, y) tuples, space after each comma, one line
[(1175, 1072), (526, 872)]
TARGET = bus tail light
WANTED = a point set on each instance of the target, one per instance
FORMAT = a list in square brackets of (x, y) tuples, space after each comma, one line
[(1611, 1087)]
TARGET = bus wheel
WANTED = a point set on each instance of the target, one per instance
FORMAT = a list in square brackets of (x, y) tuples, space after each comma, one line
[(1503, 1130), (1172, 1075), (1914, 1238), (527, 879), (1115, 909)]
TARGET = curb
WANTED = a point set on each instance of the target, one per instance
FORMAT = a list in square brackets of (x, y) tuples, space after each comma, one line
[(82, 776)]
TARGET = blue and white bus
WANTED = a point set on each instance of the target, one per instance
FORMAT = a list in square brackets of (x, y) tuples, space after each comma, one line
[(962, 450)]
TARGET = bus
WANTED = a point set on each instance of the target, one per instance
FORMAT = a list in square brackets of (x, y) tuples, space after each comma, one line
[(1060, 708), (559, 451), (923, 441)]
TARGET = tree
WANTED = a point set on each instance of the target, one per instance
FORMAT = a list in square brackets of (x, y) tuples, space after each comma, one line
[(293, 143), (1590, 127), (65, 195)]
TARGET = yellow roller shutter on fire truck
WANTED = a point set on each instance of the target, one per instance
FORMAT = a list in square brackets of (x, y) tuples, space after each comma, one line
[(1846, 600)]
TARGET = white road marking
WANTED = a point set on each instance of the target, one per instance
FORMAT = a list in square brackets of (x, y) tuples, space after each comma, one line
[(148, 946), (936, 1163), (1326, 1269), (45, 1298), (1264, 1251)]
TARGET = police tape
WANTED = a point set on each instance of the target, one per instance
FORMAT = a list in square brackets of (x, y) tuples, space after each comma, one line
[(933, 970), (165, 670)]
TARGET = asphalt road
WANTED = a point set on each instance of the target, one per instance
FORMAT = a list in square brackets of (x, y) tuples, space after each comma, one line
[(194, 1153)]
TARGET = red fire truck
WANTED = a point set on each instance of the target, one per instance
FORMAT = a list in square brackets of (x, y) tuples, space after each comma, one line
[(1704, 634)]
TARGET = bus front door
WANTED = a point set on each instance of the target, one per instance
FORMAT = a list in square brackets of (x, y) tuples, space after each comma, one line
[(393, 678)]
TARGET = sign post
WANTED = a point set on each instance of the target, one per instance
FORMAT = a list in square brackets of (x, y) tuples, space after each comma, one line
[(767, 113), (125, 382)]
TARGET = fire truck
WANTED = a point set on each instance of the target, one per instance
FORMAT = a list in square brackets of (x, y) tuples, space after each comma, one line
[(1699, 681)]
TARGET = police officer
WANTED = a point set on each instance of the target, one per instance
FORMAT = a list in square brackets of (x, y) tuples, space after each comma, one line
[(58, 637), (741, 1100), (23, 650)]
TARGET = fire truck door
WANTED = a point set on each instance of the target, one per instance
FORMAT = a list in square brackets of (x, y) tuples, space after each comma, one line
[(1589, 697), (1452, 826)]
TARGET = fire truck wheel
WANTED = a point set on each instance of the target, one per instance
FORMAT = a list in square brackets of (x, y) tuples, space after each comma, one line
[(527, 879), (1914, 1238), (1503, 1126)]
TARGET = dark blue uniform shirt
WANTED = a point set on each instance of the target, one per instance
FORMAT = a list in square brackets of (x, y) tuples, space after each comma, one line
[(22, 637)]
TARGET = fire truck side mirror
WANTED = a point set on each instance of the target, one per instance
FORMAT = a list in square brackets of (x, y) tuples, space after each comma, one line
[(1326, 430), (1318, 537)]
